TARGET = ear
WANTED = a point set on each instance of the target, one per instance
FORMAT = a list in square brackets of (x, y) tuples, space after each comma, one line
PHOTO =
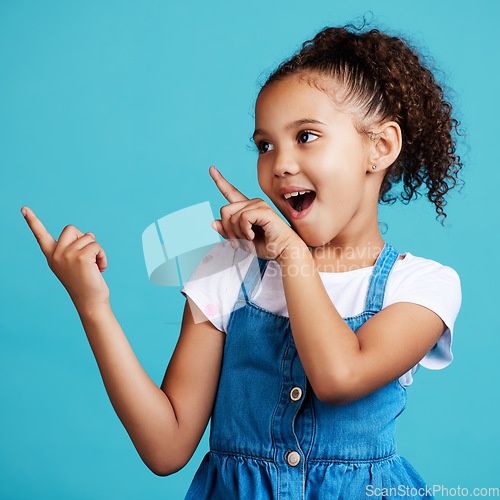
[(386, 146)]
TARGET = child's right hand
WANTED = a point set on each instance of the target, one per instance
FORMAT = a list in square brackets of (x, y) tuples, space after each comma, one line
[(76, 259)]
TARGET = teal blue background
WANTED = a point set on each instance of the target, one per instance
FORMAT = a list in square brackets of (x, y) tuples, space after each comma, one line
[(111, 113)]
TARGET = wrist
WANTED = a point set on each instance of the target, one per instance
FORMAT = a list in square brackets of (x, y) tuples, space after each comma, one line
[(292, 253), (91, 311)]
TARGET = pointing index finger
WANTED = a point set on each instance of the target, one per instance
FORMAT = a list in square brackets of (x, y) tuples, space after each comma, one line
[(45, 240), (228, 190)]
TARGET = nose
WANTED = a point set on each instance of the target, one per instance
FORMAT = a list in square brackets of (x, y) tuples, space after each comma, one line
[(284, 163)]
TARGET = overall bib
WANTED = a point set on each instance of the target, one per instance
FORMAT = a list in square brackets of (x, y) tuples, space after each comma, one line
[(272, 438)]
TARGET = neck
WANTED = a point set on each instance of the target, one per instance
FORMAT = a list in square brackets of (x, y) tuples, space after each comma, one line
[(338, 257), (356, 246)]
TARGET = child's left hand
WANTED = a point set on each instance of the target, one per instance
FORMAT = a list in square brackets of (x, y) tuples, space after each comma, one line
[(253, 222)]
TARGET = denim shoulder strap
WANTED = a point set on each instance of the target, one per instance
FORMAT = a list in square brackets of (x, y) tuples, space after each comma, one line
[(378, 279), (253, 277)]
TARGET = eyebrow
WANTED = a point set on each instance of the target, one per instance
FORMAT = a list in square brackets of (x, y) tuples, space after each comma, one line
[(296, 123)]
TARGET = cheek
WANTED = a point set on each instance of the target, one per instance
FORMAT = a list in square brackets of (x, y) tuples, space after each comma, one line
[(342, 180), (263, 178), (344, 191)]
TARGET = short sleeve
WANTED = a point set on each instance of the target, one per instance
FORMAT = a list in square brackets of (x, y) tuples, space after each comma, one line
[(436, 287), (215, 282)]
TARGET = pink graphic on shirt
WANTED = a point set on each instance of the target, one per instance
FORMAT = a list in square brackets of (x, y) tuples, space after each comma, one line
[(210, 310)]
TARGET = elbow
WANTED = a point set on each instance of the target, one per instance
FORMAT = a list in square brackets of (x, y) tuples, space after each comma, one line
[(337, 388), (165, 465), (166, 455), (159, 471), (163, 470), (334, 396)]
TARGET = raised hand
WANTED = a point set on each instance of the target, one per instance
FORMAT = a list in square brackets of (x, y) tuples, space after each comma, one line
[(76, 259), (253, 222)]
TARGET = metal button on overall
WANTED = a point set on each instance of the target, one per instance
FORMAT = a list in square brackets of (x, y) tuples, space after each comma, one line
[(295, 393), (293, 458)]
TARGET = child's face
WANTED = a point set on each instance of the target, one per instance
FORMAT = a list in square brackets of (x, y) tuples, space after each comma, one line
[(306, 142)]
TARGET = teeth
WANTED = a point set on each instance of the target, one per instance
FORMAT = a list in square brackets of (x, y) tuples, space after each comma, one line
[(296, 193)]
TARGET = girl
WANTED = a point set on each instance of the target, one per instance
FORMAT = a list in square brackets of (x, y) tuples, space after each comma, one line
[(329, 322)]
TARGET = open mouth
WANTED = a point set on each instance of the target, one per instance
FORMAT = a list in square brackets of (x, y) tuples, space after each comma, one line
[(300, 201)]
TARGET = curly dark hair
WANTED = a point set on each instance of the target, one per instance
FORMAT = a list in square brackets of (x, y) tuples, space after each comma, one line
[(385, 78)]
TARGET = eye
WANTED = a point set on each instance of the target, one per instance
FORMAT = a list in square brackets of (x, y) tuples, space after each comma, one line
[(264, 147), (305, 136)]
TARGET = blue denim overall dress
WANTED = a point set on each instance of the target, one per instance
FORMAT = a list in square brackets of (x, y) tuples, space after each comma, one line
[(270, 435)]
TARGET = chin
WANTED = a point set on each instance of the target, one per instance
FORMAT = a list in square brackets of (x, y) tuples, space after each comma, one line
[(314, 240), (316, 243)]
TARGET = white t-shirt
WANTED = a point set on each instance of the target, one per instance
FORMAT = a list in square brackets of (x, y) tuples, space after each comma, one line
[(216, 281)]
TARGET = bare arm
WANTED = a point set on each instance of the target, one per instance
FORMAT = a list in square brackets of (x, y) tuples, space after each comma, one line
[(192, 379), (165, 424)]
